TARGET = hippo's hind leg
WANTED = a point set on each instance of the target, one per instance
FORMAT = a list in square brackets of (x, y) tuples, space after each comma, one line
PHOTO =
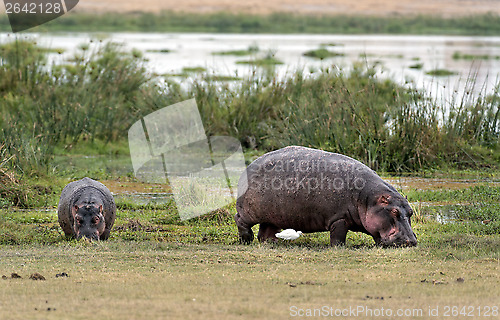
[(267, 231), (244, 229), (338, 232)]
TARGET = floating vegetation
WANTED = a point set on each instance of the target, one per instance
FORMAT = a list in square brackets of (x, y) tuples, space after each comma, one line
[(465, 56), (441, 73), (331, 44), (268, 60), (193, 69), (159, 50), (417, 66), (186, 72), (321, 54), (390, 56), (253, 49), (365, 55)]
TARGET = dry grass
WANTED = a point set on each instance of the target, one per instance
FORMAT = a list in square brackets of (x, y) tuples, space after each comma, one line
[(127, 280), (446, 8)]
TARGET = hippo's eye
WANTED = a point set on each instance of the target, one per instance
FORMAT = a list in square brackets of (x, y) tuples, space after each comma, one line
[(395, 212), (79, 220)]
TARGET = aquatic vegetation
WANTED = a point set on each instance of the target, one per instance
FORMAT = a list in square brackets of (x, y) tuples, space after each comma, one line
[(253, 49), (159, 50), (193, 69), (266, 61), (417, 66), (466, 56), (321, 54), (441, 73)]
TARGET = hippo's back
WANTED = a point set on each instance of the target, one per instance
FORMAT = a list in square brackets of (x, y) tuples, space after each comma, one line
[(295, 162), (297, 187)]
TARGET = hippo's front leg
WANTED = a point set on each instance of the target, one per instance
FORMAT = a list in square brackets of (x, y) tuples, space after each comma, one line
[(338, 232), (244, 229), (105, 234)]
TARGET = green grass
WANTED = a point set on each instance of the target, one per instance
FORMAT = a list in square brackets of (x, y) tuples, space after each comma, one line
[(321, 54), (151, 251), (486, 24), (471, 206)]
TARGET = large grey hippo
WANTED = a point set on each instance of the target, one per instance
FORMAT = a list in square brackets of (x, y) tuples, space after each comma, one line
[(312, 190), (86, 209)]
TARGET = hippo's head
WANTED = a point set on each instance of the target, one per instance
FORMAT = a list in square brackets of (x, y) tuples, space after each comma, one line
[(88, 221), (388, 221)]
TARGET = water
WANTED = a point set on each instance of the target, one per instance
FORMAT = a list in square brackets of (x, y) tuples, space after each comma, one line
[(393, 55)]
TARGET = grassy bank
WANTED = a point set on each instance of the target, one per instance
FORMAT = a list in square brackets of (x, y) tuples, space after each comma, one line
[(157, 266), (487, 24)]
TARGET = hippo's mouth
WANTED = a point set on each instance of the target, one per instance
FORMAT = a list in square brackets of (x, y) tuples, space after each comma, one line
[(396, 242), (92, 237)]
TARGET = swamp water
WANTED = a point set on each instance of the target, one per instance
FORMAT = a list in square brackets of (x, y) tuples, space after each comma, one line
[(405, 59)]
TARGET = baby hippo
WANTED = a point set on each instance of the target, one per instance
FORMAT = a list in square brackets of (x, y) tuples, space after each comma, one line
[(86, 209)]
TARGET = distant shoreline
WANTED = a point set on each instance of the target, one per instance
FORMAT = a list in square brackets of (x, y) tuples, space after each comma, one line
[(276, 23), (380, 8), (442, 8)]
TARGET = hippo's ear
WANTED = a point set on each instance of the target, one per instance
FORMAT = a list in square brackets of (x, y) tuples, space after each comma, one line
[(383, 200), (100, 209), (74, 209)]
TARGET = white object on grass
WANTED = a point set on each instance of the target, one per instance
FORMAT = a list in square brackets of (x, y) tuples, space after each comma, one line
[(289, 234)]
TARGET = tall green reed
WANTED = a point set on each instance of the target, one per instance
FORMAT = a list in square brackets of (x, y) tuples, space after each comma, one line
[(376, 121), (95, 96)]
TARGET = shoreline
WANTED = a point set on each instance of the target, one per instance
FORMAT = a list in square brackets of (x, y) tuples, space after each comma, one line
[(445, 8), (276, 23)]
